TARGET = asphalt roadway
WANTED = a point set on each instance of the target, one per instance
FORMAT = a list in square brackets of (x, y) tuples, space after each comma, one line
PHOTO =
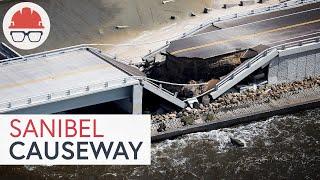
[(54, 73), (268, 29)]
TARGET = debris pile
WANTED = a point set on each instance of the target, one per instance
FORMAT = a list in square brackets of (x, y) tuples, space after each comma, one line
[(205, 112)]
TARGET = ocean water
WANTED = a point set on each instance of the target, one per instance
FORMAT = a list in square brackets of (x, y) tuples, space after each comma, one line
[(281, 147)]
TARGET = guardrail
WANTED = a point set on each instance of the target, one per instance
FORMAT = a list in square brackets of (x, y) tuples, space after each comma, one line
[(272, 8), (50, 97), (51, 53), (63, 94), (248, 63), (160, 87), (7, 51)]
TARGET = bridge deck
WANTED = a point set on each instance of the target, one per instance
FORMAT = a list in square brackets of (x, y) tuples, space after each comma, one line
[(57, 72), (274, 29)]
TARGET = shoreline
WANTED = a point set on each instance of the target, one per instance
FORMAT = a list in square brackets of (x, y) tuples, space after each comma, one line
[(283, 101)]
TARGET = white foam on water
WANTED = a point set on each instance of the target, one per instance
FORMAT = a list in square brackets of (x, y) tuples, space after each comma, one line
[(253, 134), (221, 138), (30, 168)]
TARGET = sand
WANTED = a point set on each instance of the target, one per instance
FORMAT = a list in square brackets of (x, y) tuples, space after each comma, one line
[(93, 21)]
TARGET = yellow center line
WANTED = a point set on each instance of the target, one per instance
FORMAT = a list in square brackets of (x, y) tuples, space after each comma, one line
[(59, 76), (242, 37)]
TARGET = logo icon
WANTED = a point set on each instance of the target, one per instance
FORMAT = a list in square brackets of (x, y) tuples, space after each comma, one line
[(26, 25)]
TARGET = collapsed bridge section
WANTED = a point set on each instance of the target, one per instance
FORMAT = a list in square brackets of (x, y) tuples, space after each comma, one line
[(197, 56), (240, 52)]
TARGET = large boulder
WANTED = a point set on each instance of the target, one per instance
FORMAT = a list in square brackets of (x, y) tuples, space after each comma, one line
[(211, 84), (190, 91)]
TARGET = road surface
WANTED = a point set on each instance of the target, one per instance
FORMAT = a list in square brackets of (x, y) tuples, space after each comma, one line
[(269, 30)]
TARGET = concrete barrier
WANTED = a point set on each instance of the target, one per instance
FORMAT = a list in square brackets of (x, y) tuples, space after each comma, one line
[(226, 6), (261, 1), (246, 3)]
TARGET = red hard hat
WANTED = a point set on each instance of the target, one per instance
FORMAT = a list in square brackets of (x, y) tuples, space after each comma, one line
[(26, 19)]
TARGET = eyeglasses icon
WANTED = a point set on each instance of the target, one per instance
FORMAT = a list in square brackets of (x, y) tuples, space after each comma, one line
[(19, 36)]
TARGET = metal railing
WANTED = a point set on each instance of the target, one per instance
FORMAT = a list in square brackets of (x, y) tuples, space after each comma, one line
[(159, 86), (51, 53), (272, 8), (63, 94), (7, 51)]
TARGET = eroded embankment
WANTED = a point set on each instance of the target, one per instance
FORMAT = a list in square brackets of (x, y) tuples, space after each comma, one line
[(235, 108), (196, 71)]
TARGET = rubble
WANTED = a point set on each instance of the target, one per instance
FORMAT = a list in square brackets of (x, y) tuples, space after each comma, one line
[(207, 110), (236, 142), (121, 27), (206, 10), (167, 1)]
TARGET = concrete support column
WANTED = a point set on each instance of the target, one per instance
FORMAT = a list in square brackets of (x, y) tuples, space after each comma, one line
[(137, 93)]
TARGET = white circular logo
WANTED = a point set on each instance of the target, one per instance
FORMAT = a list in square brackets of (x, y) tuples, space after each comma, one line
[(26, 25)]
